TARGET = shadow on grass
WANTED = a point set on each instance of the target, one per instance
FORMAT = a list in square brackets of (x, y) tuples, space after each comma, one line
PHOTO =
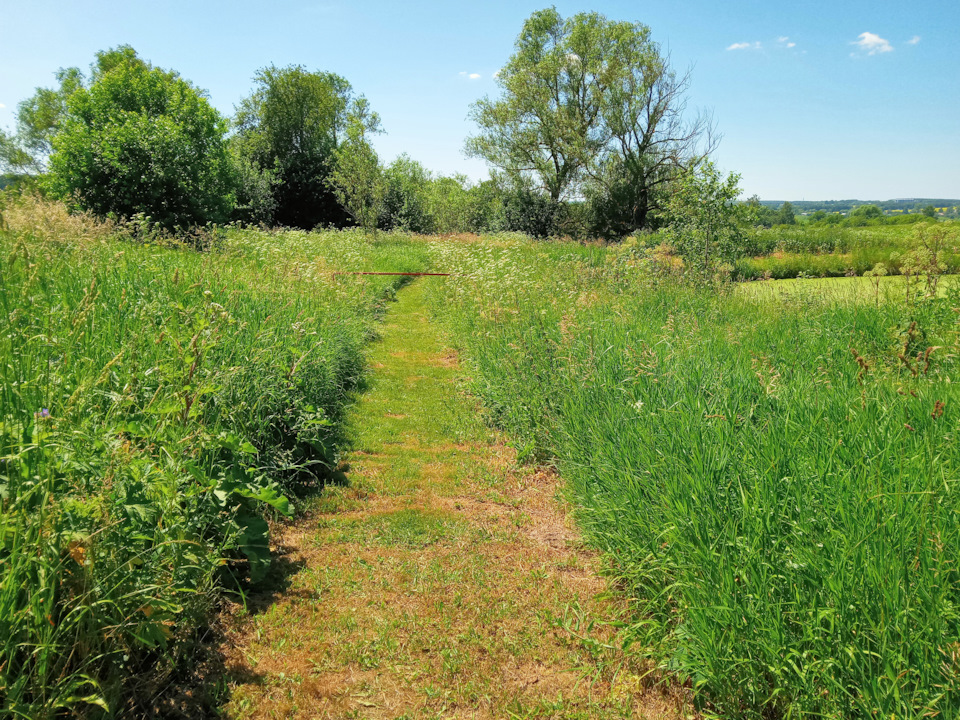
[(259, 597), (198, 683), (192, 686)]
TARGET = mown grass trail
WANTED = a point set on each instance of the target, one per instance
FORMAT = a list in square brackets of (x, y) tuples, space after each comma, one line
[(439, 580)]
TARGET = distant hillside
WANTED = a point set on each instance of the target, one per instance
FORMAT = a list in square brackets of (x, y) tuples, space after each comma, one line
[(900, 205)]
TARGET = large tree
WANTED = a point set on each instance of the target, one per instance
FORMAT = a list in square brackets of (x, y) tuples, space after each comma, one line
[(357, 179), (650, 143), (544, 127), (290, 126), (140, 139), (590, 108)]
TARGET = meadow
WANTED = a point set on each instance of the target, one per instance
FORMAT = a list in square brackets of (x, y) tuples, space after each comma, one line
[(771, 475), (823, 250), (768, 468), (158, 407)]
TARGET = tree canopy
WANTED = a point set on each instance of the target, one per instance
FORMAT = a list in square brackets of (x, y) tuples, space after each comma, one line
[(589, 107), (290, 126), (139, 139), (357, 179)]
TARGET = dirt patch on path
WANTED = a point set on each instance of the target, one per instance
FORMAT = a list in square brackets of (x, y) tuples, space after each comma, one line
[(443, 580)]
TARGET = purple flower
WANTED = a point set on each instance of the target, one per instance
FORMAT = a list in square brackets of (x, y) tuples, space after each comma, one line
[(44, 413)]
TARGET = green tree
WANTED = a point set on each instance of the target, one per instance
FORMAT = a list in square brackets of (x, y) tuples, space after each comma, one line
[(14, 158), (589, 107), (705, 221), (453, 204), (357, 178), (254, 186), (290, 125), (141, 139), (406, 200), (759, 213), (544, 128), (487, 207), (785, 215), (38, 120), (532, 212), (864, 215)]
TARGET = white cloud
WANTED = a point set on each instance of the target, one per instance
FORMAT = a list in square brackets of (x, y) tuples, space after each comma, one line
[(469, 76), (745, 46), (785, 42), (2, 106), (914, 40), (872, 44)]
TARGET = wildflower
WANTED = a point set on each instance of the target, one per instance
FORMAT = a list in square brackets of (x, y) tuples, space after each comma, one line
[(42, 414)]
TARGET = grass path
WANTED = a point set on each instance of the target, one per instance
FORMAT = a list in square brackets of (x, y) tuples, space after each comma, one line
[(440, 580)]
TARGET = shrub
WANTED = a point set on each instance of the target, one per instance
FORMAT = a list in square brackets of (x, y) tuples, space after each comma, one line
[(143, 140)]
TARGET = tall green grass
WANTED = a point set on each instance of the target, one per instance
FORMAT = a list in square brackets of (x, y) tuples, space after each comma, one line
[(157, 406), (785, 515), (789, 251)]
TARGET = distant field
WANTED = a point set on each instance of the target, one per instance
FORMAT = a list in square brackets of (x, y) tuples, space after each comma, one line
[(837, 289), (789, 251)]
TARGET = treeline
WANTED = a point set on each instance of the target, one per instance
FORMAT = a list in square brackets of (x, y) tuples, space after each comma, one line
[(866, 215), (903, 205), (131, 139), (587, 139), (766, 214)]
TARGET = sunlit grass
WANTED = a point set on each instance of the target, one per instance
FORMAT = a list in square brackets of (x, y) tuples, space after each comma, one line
[(838, 289), (802, 250), (769, 467), (157, 404)]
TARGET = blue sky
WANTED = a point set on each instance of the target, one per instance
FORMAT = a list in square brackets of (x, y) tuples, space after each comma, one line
[(814, 100)]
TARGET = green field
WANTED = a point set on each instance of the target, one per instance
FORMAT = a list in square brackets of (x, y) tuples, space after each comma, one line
[(811, 250), (839, 289), (774, 481), (769, 468)]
